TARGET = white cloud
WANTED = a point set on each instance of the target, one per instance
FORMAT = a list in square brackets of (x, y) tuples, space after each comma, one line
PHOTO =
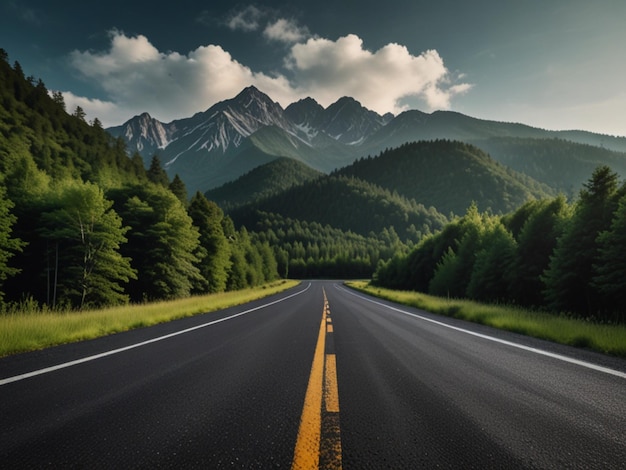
[(137, 77), (95, 108), (328, 69), (246, 19), (287, 31)]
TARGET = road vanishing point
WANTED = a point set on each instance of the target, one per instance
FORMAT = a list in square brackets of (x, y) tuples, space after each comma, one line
[(319, 376)]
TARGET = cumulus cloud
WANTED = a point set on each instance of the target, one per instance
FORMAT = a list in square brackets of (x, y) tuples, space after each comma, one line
[(95, 108), (379, 80), (137, 77), (286, 31)]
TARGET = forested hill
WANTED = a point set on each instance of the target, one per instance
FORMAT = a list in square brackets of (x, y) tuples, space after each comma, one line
[(35, 125), (83, 225), (448, 175), (563, 165), (264, 181), (349, 204), (548, 254)]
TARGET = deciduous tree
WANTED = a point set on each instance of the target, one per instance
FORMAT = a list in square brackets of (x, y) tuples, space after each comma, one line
[(86, 234)]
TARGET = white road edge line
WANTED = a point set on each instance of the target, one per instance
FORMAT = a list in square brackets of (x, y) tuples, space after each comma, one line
[(46, 370), (560, 357)]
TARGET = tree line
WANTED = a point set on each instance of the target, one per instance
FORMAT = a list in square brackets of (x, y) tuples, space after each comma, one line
[(69, 243), (75, 244), (308, 249), (548, 254)]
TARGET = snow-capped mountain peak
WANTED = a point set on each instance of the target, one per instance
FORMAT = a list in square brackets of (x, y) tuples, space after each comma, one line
[(210, 139), (144, 134)]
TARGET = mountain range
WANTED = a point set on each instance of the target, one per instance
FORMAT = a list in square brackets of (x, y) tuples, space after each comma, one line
[(237, 135)]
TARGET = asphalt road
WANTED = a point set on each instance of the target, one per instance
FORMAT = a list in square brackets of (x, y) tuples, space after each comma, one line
[(242, 388)]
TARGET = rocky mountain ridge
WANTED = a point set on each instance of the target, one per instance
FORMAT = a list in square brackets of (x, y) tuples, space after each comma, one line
[(234, 136)]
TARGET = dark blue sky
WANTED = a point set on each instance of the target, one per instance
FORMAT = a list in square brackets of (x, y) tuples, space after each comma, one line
[(557, 64)]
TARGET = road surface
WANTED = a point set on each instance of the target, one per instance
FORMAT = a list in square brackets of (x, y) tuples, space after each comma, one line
[(319, 376)]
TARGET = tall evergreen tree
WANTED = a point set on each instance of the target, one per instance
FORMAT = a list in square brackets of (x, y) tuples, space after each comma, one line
[(57, 97), (536, 241), (454, 270), (136, 166), (162, 242), (156, 173), (488, 281), (79, 113), (610, 269), (214, 267), (568, 279), (177, 186)]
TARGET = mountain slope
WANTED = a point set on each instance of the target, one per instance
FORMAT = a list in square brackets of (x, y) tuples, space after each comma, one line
[(231, 138), (415, 125), (348, 204), (261, 182), (36, 127), (447, 175), (561, 164), (144, 134)]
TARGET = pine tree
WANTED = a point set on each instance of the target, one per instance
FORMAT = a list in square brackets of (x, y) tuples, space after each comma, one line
[(162, 242), (536, 241), (156, 173), (79, 113), (207, 217), (454, 270), (610, 269), (488, 281), (179, 189), (568, 279)]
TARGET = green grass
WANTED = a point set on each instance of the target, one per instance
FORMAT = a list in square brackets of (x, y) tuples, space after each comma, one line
[(605, 338), (33, 329)]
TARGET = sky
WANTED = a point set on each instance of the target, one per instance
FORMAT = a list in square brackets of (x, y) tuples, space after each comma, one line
[(554, 64)]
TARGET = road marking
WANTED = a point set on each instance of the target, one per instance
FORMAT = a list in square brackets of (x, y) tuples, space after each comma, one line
[(318, 444), (559, 357), (329, 328), (331, 392), (307, 451), (46, 370)]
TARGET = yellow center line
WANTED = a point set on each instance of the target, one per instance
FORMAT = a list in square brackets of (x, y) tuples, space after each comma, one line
[(307, 451), (331, 392), (316, 433)]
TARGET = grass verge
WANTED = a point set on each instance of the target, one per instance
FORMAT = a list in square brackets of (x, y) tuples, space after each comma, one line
[(29, 331), (605, 338)]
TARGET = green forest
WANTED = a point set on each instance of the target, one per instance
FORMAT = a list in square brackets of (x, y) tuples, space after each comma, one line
[(548, 254), (83, 225)]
